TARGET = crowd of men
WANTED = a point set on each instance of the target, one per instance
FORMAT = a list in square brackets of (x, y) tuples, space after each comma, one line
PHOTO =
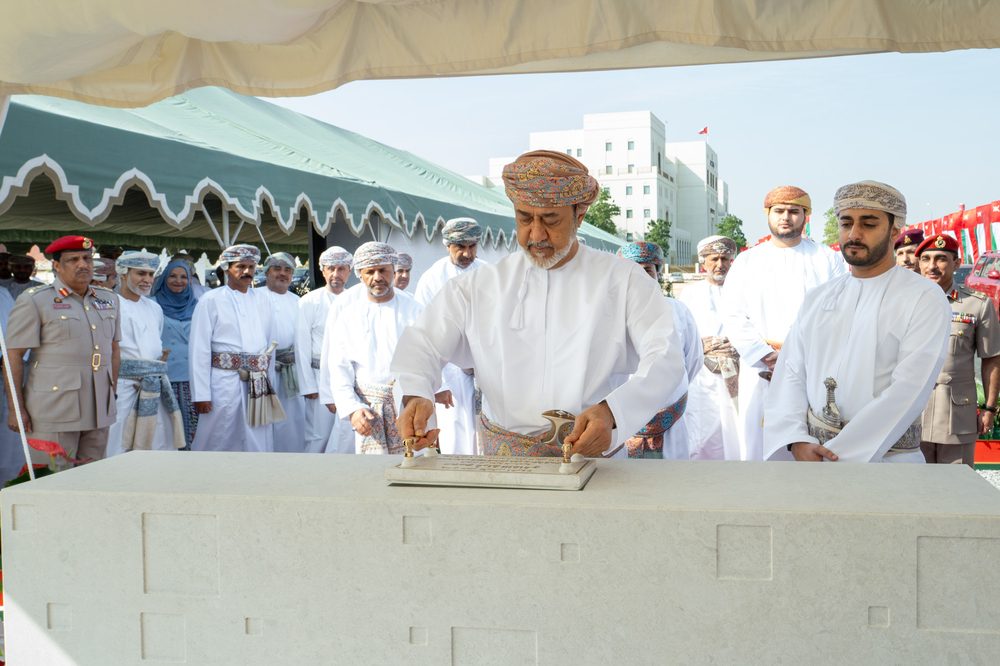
[(787, 350)]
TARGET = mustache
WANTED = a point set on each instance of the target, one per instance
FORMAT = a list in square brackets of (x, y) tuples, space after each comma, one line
[(541, 245)]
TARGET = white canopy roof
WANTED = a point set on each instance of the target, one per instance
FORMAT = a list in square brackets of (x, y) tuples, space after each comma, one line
[(128, 53)]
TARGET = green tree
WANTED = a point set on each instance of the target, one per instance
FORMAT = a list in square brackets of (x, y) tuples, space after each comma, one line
[(658, 231), (602, 212), (732, 227), (830, 233)]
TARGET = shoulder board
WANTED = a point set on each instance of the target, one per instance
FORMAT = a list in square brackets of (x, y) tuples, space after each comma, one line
[(973, 294), (33, 290), (97, 288)]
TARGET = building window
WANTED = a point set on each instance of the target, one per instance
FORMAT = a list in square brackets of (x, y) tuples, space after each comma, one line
[(631, 145), (629, 236), (645, 213), (631, 168), (645, 189), (569, 151), (628, 190), (607, 147), (579, 152), (628, 214), (607, 169)]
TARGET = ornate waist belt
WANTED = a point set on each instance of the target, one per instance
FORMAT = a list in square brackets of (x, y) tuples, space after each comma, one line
[(498, 441), (240, 361), (284, 356), (824, 432), (664, 419), (137, 368)]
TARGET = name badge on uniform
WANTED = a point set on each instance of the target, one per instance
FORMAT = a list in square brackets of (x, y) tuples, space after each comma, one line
[(963, 318), (62, 306), (101, 304)]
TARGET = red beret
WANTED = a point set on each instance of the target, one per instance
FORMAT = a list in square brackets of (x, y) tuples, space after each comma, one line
[(69, 243), (942, 242), (908, 238)]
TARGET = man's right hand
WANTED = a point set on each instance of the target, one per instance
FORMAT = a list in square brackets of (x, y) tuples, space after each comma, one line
[(12, 419), (809, 452), (412, 422), (203, 406), (361, 421), (769, 360)]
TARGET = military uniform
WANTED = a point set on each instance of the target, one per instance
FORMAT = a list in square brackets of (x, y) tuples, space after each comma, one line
[(69, 389), (950, 425)]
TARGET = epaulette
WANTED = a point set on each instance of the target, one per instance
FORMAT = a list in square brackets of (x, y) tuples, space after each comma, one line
[(95, 287), (33, 290), (974, 294)]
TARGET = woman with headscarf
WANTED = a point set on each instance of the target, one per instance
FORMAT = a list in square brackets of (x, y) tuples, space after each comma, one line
[(173, 291)]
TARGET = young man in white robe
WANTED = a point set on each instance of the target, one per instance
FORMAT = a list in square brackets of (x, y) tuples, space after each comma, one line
[(859, 364), (666, 434), (764, 291), (457, 421), (148, 414), (325, 431), (361, 338), (551, 327), (287, 372), (230, 357), (712, 419)]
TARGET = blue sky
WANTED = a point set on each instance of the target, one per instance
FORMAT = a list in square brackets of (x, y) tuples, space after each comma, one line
[(924, 123)]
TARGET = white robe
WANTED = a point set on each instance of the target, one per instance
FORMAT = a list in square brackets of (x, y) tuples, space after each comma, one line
[(457, 423), (324, 432), (550, 339), (227, 320), (361, 339), (288, 435), (711, 417), (142, 330), (884, 341), (763, 293), (11, 449)]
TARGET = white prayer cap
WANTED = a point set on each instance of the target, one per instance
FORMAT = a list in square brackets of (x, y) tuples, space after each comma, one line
[(137, 259), (336, 256), (280, 259)]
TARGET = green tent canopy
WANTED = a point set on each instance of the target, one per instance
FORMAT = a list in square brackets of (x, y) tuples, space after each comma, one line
[(210, 166)]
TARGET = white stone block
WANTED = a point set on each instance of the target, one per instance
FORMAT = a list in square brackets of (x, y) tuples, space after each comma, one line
[(229, 558)]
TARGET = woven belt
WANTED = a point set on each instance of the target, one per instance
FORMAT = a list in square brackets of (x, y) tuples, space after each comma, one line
[(824, 432), (284, 356), (240, 361)]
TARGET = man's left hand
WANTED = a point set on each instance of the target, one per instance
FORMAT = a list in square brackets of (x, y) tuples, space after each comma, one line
[(444, 398), (591, 434), (985, 421)]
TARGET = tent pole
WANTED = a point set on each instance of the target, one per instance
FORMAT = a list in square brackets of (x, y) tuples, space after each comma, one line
[(237, 232), (225, 227), (4, 103), (9, 376), (211, 225)]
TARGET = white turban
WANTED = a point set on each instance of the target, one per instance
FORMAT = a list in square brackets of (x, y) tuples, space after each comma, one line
[(373, 254), (280, 259), (137, 259)]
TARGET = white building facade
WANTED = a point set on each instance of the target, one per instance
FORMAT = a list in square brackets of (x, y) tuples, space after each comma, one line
[(646, 177)]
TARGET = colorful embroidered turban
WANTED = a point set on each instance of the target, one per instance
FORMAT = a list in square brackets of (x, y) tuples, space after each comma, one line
[(280, 259), (136, 259), (642, 252), (873, 195), (336, 256), (103, 268), (404, 262), (235, 253), (461, 231), (373, 254), (909, 238), (717, 245), (788, 195), (547, 179)]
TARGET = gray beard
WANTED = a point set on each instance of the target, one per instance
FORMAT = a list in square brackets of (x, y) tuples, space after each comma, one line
[(559, 255)]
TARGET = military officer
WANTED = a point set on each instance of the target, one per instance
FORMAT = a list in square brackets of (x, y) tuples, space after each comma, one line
[(70, 330), (950, 423), (906, 248)]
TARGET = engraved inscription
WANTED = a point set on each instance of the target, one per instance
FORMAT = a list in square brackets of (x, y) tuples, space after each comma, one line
[(494, 464)]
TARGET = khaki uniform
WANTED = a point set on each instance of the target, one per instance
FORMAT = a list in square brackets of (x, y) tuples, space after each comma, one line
[(68, 389), (949, 422)]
